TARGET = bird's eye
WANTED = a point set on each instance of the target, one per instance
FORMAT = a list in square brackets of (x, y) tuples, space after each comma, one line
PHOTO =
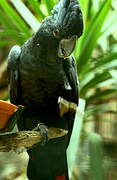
[(56, 33)]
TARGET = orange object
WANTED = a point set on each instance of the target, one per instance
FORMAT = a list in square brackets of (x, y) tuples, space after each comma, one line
[(6, 110)]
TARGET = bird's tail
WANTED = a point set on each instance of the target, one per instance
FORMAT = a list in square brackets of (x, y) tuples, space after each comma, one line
[(61, 177)]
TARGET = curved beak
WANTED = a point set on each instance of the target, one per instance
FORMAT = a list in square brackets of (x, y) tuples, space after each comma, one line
[(66, 47)]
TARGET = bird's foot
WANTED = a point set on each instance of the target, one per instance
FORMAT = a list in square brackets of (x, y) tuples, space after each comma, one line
[(43, 131), (65, 106)]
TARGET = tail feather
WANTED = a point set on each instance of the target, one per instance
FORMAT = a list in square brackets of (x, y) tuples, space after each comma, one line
[(60, 177)]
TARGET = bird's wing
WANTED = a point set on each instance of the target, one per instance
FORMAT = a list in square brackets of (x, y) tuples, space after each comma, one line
[(72, 77), (13, 74)]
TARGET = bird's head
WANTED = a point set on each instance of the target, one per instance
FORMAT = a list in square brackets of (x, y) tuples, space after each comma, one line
[(68, 25), (64, 26)]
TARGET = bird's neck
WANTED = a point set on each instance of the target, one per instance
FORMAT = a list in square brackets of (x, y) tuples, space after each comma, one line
[(46, 51)]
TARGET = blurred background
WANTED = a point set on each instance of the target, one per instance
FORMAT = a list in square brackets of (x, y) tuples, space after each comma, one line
[(96, 58)]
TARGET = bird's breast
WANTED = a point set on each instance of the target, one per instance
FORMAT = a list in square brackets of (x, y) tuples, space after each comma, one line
[(41, 84)]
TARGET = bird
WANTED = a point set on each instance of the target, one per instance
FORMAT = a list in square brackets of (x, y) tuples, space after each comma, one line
[(42, 74)]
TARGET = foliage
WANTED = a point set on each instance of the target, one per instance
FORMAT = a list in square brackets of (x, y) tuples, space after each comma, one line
[(94, 73)]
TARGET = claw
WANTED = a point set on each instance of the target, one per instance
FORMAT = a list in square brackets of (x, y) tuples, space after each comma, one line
[(43, 131), (65, 106)]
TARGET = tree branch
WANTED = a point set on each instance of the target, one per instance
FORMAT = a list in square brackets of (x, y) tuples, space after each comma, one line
[(26, 138)]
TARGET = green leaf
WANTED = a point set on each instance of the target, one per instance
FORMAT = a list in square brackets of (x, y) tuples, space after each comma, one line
[(3, 43), (106, 83), (101, 68), (49, 5), (93, 109), (91, 35), (110, 23), (106, 59), (26, 14), (96, 157), (35, 5), (84, 7), (113, 73), (102, 94), (94, 81), (4, 20), (12, 34), (15, 18)]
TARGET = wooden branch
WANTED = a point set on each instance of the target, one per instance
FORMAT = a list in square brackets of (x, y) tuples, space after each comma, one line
[(26, 138), (3, 75)]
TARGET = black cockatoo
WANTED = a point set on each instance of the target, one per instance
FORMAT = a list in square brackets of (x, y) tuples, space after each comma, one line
[(40, 72)]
